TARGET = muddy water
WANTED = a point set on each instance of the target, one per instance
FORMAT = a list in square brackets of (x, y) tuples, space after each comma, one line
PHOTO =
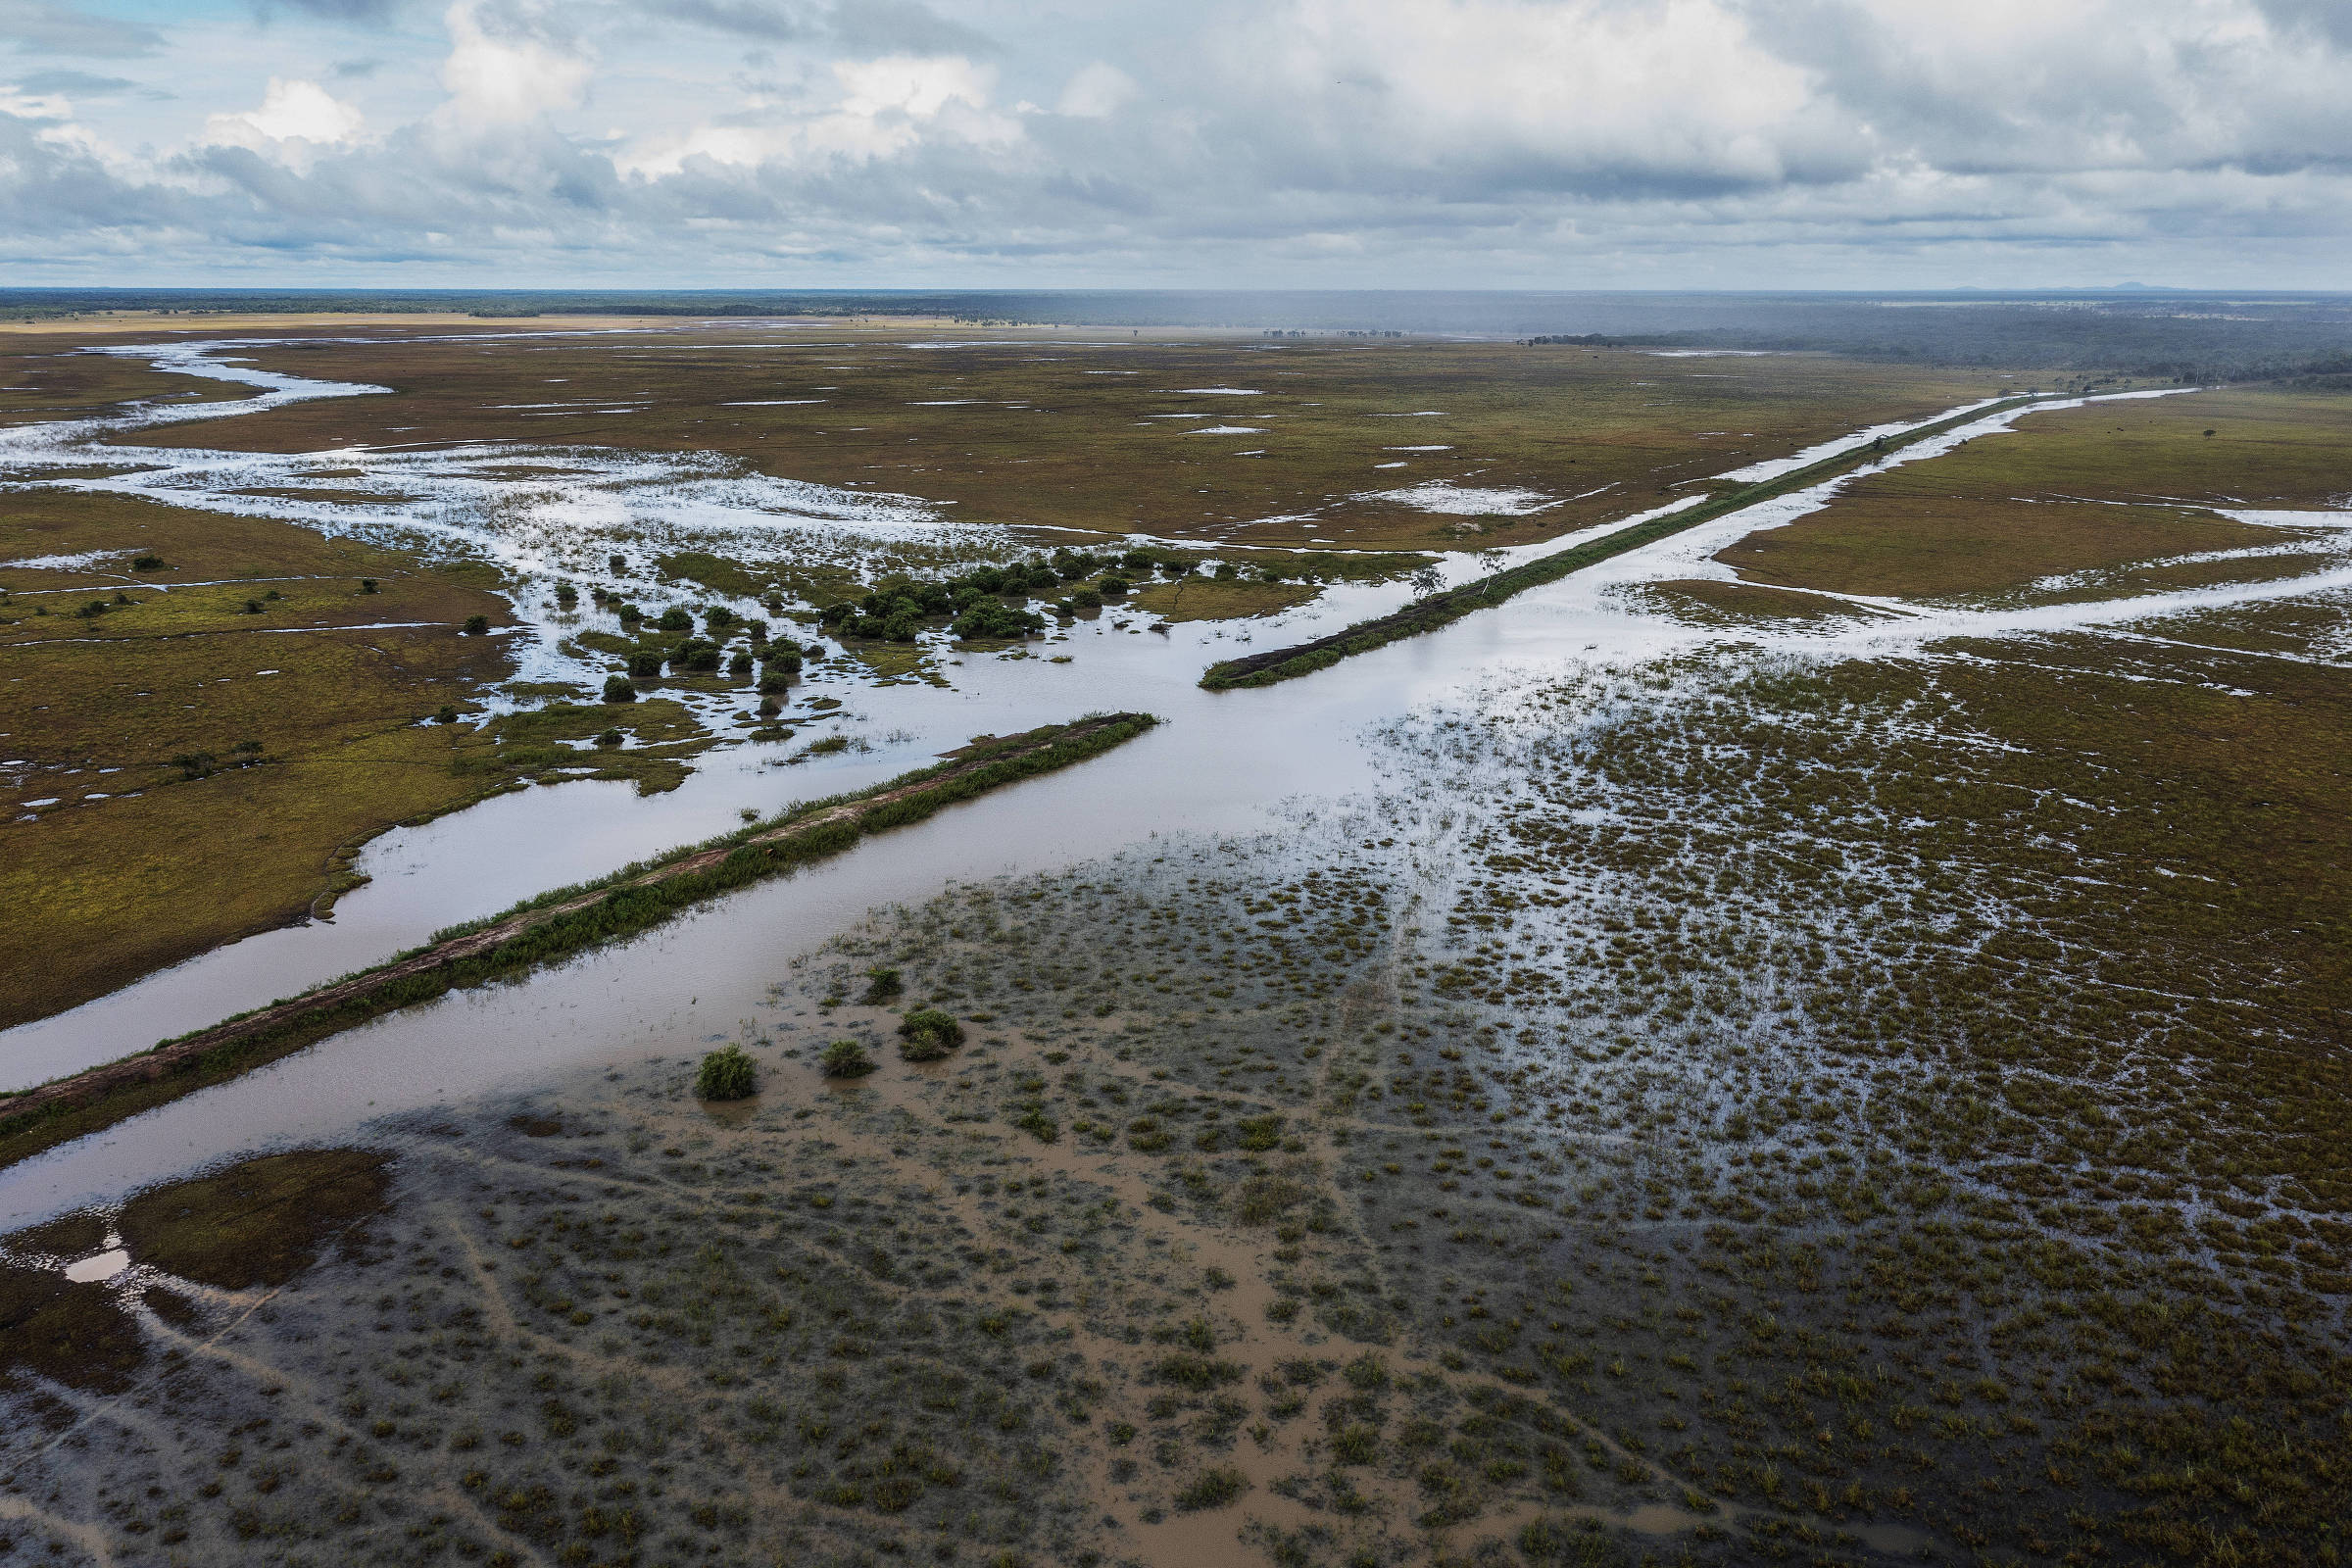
[(1222, 762)]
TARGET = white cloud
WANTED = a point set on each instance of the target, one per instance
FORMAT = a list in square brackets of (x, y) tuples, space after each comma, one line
[(880, 109), (1097, 91), (291, 111), (508, 63), (1567, 142)]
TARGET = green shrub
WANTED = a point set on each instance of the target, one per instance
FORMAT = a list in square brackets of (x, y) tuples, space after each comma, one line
[(1199, 1373), (613, 737), (677, 617), (1259, 1133), (646, 664), (728, 1073), (368, 586), (846, 1058), (147, 564), (927, 1034), (1215, 1488), (477, 625), (618, 690)]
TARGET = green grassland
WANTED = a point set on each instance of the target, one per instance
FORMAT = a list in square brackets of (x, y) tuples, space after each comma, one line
[(1057, 429), (242, 755), (1210, 599), (2070, 490)]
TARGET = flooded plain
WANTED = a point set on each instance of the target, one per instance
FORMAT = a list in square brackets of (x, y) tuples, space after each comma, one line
[(1606, 1078)]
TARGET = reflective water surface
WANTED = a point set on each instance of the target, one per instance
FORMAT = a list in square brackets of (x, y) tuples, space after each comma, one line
[(1221, 763)]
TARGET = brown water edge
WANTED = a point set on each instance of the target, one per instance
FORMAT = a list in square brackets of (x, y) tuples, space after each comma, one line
[(72, 1106)]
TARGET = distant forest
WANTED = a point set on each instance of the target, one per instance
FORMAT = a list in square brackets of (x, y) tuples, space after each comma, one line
[(2301, 338)]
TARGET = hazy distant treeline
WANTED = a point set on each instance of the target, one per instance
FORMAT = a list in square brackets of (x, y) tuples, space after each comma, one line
[(2144, 332)]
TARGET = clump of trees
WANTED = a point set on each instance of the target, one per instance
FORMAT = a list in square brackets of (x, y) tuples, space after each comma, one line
[(988, 603)]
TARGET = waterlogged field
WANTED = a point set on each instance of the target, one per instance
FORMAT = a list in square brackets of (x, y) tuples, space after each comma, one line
[(326, 581), (1202, 436), (1822, 1042)]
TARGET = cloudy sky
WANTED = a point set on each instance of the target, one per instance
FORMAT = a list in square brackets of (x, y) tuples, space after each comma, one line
[(1304, 143)]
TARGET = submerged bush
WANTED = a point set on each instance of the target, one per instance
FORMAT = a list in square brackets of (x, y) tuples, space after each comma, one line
[(1215, 1487), (882, 984), (928, 1034), (728, 1073), (846, 1058)]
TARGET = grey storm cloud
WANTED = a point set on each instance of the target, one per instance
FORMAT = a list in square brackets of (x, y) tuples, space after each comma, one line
[(1286, 140)]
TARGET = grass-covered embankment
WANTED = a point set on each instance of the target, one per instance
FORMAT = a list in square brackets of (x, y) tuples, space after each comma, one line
[(1438, 610), (554, 925)]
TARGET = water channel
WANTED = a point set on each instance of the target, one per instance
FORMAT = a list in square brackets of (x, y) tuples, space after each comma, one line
[(1222, 762)]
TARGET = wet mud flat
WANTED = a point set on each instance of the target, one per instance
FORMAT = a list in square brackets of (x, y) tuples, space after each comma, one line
[(1724, 1109), (1086, 1290)]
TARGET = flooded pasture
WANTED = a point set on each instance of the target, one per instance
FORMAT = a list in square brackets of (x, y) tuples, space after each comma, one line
[(1617, 1077)]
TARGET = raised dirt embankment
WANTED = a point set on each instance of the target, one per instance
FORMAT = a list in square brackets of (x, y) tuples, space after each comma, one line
[(1442, 608), (554, 925)]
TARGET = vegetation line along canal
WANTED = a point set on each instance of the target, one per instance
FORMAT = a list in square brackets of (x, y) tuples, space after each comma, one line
[(1450, 605), (554, 925)]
